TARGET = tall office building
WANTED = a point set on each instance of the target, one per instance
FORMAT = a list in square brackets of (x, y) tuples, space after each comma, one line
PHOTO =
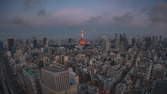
[(35, 43), (1, 45), (123, 43), (105, 43), (11, 44), (56, 80), (45, 42), (133, 41)]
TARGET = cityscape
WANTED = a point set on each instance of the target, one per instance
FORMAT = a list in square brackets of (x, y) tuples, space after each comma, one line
[(76, 47)]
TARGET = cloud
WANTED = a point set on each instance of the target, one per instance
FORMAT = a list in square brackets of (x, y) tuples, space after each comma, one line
[(81, 17), (69, 17), (18, 21), (104, 18), (42, 12), (123, 19), (158, 15), (29, 4), (15, 22)]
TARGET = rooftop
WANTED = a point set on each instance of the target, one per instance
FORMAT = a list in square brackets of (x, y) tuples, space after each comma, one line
[(160, 87), (32, 72), (56, 68)]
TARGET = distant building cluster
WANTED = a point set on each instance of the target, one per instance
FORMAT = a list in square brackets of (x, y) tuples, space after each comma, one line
[(118, 65)]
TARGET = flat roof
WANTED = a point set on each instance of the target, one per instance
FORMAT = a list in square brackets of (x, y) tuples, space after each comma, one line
[(160, 87), (55, 68)]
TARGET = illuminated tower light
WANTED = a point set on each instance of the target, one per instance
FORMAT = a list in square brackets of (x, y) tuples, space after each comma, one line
[(82, 41), (82, 35)]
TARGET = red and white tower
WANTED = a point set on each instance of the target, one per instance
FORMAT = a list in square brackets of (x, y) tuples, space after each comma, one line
[(82, 41), (82, 35)]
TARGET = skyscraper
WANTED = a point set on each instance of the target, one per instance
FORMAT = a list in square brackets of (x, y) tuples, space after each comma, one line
[(45, 42), (105, 43), (35, 43), (1, 45), (11, 44), (56, 80)]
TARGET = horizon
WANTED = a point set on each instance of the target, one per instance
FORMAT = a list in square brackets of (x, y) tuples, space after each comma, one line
[(65, 19)]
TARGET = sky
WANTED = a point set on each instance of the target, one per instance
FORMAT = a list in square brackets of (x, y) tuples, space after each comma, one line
[(66, 18)]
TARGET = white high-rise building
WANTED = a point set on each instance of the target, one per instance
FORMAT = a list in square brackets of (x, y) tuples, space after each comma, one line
[(105, 43), (56, 80)]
